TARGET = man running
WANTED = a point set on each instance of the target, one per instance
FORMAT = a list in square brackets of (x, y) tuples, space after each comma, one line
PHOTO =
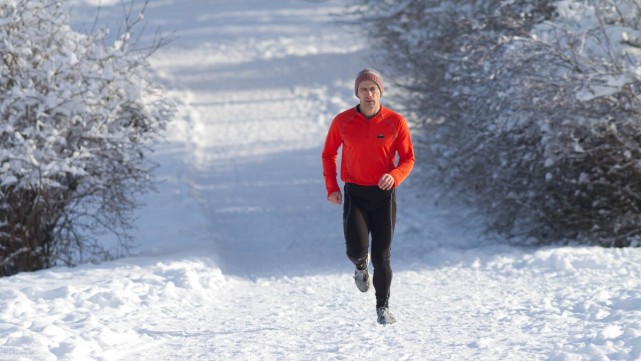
[(371, 137)]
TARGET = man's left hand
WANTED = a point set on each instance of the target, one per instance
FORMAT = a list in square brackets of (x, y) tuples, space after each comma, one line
[(386, 182)]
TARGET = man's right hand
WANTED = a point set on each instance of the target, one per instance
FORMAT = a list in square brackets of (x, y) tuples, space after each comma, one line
[(335, 198)]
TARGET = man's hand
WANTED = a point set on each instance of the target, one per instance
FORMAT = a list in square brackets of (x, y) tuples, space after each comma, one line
[(386, 182), (335, 198)]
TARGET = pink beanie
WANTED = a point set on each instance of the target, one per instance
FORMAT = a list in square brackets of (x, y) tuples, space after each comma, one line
[(368, 74)]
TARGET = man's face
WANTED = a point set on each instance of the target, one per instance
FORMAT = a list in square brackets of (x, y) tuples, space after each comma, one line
[(370, 97)]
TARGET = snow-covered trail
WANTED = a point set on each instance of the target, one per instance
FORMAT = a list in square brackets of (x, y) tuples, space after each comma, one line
[(258, 96), (242, 258)]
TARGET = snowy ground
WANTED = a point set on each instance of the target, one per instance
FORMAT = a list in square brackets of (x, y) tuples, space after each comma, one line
[(242, 258)]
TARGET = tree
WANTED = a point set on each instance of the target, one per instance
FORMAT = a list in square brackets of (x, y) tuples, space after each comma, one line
[(79, 116)]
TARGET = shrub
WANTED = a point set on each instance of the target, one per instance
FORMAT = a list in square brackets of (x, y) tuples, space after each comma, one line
[(527, 110), (79, 116)]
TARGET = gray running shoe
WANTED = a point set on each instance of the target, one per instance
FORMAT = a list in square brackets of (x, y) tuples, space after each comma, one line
[(361, 277), (385, 317)]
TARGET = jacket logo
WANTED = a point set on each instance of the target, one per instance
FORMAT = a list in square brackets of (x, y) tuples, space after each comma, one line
[(380, 136)]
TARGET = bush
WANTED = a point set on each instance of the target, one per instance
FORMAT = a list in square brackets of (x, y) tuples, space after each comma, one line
[(78, 118), (529, 111), (584, 109)]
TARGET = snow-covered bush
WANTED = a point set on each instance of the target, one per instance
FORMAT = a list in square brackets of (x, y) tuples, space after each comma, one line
[(528, 109), (582, 95), (78, 117)]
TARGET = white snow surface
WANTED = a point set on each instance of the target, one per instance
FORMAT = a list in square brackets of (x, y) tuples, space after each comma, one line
[(242, 258)]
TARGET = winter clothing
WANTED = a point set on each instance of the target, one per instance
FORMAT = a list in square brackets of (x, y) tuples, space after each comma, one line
[(371, 210), (369, 148), (368, 74)]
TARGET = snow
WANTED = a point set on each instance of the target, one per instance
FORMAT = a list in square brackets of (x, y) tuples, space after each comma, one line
[(242, 258), (619, 47)]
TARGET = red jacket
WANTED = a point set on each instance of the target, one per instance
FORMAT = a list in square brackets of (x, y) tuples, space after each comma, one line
[(369, 148)]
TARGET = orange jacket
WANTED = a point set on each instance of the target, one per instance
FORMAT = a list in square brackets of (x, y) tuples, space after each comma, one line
[(369, 148)]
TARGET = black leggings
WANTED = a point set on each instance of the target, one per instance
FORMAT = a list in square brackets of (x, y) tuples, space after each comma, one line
[(371, 210)]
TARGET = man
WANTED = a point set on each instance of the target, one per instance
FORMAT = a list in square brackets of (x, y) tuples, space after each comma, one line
[(371, 136)]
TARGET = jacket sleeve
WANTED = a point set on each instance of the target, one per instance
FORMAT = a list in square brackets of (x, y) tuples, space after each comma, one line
[(405, 151), (330, 156)]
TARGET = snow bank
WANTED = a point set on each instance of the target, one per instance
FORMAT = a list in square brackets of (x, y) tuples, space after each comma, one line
[(95, 313)]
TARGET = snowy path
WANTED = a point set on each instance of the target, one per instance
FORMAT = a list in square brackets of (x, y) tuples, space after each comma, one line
[(242, 258), (254, 125)]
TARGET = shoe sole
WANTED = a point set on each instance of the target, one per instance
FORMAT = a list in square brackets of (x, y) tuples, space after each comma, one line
[(369, 279), (366, 287)]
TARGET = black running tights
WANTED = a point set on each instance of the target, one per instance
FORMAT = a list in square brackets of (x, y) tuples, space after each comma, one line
[(369, 210)]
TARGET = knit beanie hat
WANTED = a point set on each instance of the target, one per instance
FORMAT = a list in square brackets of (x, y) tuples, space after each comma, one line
[(368, 74)]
